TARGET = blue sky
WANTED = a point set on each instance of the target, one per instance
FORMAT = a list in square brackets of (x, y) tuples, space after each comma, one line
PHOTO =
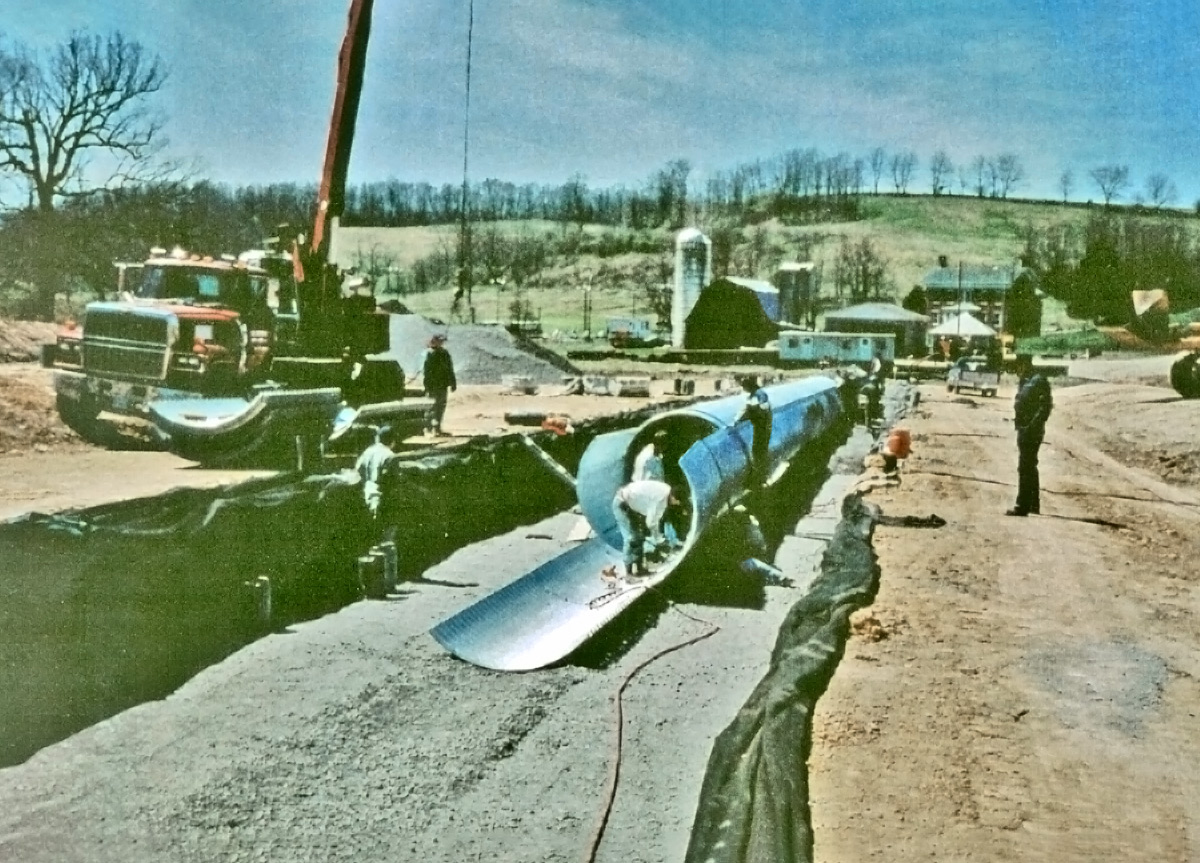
[(613, 89)]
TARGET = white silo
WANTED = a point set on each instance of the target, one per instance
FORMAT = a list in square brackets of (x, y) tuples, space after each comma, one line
[(693, 271)]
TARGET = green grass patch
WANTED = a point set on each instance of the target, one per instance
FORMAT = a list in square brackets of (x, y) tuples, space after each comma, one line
[(1066, 343)]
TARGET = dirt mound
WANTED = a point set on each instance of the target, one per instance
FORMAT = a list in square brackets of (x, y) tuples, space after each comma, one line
[(482, 354), (21, 341), (28, 418)]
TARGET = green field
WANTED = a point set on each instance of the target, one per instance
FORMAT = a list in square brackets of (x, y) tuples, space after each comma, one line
[(908, 232)]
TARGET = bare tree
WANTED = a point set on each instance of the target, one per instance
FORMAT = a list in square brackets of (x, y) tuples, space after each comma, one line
[(941, 172), (860, 271), (979, 173), (1111, 179), (878, 163), (1066, 183), (964, 179), (903, 165), (86, 100), (1160, 190), (1009, 172)]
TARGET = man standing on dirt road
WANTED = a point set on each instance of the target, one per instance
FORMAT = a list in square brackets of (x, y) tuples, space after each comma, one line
[(437, 370), (1031, 409)]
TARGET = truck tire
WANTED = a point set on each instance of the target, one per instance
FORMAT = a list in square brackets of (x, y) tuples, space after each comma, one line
[(80, 416), (1185, 375)]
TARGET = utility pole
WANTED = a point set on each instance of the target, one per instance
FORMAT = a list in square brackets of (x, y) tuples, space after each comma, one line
[(587, 312), (961, 301)]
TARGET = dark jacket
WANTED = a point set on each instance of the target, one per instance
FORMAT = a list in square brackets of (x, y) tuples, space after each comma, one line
[(438, 371), (1033, 403)]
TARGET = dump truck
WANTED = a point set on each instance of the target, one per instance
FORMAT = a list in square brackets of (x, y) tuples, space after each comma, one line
[(229, 357)]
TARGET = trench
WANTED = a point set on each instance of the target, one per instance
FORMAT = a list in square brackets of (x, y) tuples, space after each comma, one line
[(110, 607), (754, 802)]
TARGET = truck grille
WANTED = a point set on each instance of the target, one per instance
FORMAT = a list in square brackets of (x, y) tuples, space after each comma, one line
[(130, 345)]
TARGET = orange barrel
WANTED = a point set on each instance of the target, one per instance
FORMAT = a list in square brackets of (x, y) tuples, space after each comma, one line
[(899, 443)]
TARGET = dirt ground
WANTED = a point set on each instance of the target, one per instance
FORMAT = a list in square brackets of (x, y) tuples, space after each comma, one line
[(1026, 688), (1021, 689)]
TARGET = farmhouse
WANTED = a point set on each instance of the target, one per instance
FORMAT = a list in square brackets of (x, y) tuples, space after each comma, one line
[(948, 290)]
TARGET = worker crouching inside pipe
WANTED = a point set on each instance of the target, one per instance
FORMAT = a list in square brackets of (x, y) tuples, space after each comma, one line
[(707, 454)]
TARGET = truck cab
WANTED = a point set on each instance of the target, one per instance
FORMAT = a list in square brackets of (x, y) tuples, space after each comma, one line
[(183, 325)]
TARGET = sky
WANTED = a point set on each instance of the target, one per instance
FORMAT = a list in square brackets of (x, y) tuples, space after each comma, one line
[(614, 89)]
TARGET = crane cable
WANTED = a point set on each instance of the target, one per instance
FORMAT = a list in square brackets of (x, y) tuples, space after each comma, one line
[(464, 242)]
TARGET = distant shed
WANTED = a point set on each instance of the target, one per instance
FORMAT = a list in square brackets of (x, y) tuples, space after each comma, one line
[(908, 327), (802, 346), (729, 315)]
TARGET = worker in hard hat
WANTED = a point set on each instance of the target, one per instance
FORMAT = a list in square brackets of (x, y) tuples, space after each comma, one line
[(638, 508), (437, 376)]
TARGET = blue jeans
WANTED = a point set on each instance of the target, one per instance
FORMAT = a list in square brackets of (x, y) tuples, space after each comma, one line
[(633, 532)]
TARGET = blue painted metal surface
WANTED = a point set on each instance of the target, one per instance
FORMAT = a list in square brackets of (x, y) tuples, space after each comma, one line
[(543, 616), (214, 431)]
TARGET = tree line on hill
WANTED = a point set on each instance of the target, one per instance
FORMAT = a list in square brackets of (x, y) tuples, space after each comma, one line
[(77, 133)]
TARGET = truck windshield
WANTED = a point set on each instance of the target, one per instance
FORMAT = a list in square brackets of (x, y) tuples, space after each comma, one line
[(178, 283)]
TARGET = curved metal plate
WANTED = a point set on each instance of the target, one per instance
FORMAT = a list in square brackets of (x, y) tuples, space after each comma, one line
[(543, 616), (601, 472), (208, 430)]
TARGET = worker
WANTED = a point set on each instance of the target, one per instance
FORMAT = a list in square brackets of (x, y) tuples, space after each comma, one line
[(371, 465), (648, 464), (437, 370), (639, 508), (1031, 409), (757, 410), (875, 368)]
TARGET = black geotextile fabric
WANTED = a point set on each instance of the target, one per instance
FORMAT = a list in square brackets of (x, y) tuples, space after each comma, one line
[(106, 608), (754, 801)]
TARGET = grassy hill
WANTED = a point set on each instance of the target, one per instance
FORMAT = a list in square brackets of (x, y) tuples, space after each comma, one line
[(908, 232)]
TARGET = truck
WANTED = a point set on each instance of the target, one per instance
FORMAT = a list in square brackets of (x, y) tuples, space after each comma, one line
[(229, 356), (973, 373), (631, 333)]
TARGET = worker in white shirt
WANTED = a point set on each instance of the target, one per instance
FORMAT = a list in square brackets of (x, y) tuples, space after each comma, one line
[(639, 507), (649, 462), (649, 465), (370, 467)]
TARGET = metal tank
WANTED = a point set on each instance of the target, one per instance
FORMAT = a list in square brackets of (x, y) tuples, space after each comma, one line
[(796, 282), (543, 616), (693, 272)]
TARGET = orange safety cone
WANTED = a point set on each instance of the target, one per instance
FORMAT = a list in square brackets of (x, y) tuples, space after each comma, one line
[(898, 444)]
